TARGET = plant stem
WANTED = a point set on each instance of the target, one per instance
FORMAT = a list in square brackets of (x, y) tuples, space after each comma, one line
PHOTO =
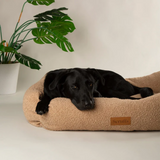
[(29, 39), (23, 40), (10, 57), (17, 23), (25, 24), (2, 57), (20, 15), (1, 33)]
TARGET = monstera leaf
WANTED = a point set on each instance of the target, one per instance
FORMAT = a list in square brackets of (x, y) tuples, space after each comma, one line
[(47, 36), (51, 15), (56, 20), (52, 26), (41, 2), (28, 61)]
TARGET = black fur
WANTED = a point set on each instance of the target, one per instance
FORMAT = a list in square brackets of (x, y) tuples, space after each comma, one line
[(82, 85)]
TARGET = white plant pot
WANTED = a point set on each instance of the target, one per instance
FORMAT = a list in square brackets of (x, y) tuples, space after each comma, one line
[(8, 78)]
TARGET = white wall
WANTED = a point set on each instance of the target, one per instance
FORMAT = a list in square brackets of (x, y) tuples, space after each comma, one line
[(118, 35)]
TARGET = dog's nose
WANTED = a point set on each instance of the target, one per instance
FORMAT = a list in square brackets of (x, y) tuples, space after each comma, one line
[(88, 103)]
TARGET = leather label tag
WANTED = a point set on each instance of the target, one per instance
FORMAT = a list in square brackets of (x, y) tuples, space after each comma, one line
[(120, 121)]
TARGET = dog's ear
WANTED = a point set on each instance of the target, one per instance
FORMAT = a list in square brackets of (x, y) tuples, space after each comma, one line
[(96, 75), (59, 78)]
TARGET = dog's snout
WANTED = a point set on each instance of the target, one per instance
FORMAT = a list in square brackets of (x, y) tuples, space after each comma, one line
[(88, 103)]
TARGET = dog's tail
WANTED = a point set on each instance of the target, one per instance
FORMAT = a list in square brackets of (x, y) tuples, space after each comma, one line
[(144, 91)]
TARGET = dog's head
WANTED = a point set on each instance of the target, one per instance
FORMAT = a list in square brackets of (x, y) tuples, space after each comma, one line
[(79, 85)]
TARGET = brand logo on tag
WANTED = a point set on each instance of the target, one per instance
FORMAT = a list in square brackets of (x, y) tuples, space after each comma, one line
[(121, 121)]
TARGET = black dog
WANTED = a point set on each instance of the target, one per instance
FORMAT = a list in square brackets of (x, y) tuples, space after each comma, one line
[(81, 85)]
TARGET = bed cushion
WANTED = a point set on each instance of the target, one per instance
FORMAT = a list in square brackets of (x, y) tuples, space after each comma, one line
[(109, 113)]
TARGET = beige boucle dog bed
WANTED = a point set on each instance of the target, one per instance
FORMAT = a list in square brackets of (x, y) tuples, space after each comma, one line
[(109, 113)]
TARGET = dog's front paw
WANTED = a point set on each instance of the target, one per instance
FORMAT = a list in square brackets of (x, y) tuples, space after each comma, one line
[(41, 108)]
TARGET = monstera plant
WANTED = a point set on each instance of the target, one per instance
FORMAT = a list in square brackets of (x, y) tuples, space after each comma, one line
[(51, 27)]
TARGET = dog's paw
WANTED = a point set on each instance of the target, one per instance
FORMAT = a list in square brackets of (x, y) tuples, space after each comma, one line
[(146, 92), (41, 108)]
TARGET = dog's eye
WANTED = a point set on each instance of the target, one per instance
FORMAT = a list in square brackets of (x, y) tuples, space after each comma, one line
[(74, 87), (90, 84)]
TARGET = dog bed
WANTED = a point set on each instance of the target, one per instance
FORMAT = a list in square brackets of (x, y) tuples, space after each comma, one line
[(109, 113)]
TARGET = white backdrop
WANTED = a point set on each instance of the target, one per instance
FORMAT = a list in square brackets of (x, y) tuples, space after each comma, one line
[(118, 35)]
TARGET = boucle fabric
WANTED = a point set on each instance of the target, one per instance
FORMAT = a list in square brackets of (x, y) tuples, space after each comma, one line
[(109, 113)]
